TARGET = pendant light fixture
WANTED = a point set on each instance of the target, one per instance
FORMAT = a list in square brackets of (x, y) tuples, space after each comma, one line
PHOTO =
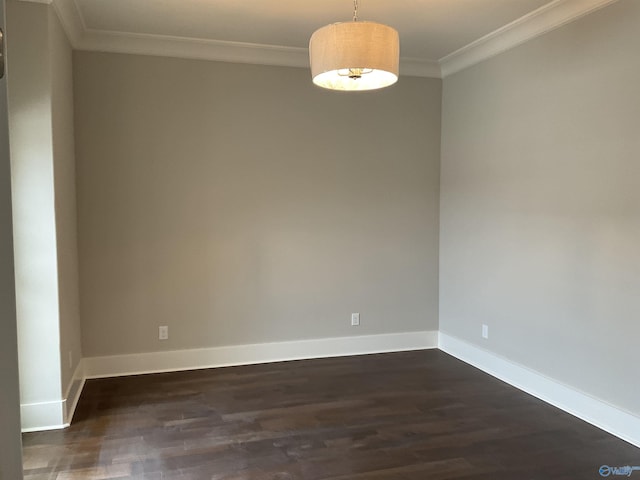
[(354, 55)]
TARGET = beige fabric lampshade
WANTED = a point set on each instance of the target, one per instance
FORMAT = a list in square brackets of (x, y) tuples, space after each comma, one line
[(354, 56)]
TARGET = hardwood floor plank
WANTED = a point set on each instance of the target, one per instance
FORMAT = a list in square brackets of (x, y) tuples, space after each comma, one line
[(401, 416)]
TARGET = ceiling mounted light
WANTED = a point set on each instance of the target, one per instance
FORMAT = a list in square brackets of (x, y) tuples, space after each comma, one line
[(354, 55)]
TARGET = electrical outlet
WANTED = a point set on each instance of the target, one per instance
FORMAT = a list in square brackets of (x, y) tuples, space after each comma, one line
[(485, 331), (163, 333), (355, 319)]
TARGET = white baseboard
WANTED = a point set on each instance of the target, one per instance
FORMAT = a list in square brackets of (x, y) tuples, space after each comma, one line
[(611, 419), (57, 414), (156, 362), (73, 392), (36, 417)]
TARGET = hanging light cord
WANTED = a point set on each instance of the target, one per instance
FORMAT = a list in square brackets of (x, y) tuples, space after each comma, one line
[(354, 73)]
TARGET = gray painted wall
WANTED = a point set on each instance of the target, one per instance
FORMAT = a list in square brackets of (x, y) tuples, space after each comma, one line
[(10, 447), (540, 204), (64, 174), (240, 204)]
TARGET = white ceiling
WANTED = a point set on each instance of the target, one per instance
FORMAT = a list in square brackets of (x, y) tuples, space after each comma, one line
[(437, 37)]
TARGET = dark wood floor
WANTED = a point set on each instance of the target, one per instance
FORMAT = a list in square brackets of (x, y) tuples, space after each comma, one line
[(418, 415)]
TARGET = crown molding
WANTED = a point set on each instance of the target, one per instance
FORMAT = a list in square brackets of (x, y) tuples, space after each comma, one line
[(194, 48), (83, 38), (69, 15), (71, 20), (235, 52), (418, 67), (532, 25)]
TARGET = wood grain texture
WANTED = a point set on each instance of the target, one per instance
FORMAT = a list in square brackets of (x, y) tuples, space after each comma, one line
[(409, 416)]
